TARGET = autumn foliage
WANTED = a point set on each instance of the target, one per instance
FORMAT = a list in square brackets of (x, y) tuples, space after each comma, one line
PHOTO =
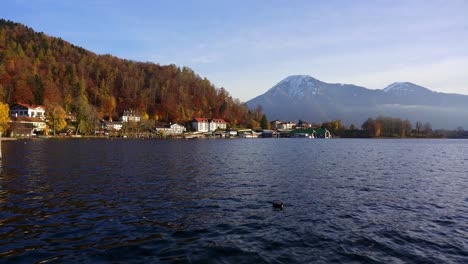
[(39, 69)]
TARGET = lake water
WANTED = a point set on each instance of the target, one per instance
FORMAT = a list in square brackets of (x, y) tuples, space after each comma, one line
[(209, 201)]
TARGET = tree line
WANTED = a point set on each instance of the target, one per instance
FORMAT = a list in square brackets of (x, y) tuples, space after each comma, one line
[(391, 127)]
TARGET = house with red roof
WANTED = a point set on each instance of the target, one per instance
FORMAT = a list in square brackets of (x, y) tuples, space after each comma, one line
[(217, 124), (202, 124), (27, 110)]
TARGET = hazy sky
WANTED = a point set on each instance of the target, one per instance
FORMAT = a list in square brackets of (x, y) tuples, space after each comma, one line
[(249, 46)]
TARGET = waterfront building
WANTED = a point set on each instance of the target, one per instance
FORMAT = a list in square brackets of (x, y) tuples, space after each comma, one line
[(27, 110), (275, 124), (25, 126), (130, 116), (200, 124), (111, 126), (287, 125), (171, 129), (217, 124)]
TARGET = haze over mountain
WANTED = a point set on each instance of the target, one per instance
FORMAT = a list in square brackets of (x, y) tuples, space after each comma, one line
[(306, 98)]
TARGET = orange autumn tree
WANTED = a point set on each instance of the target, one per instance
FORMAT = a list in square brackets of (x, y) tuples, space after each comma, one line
[(4, 118), (56, 117)]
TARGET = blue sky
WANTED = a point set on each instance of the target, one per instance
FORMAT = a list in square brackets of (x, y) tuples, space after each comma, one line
[(249, 46)]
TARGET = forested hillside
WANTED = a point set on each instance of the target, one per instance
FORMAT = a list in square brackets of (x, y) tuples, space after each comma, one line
[(39, 69)]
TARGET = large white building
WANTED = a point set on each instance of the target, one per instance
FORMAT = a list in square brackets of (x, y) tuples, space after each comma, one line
[(20, 109), (217, 124), (208, 125), (130, 116), (200, 124)]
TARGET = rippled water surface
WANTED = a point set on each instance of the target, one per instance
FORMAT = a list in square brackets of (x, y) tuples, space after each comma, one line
[(209, 201)]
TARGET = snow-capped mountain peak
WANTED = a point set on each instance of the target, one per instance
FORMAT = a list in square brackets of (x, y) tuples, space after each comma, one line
[(297, 86), (303, 97), (405, 88)]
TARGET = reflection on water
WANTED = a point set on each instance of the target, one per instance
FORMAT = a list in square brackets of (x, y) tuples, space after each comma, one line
[(210, 201)]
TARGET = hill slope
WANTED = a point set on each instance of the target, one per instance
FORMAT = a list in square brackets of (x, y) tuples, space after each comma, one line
[(306, 98), (39, 69)]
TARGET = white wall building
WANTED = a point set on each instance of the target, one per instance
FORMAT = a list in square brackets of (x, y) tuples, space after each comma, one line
[(287, 125), (208, 125), (130, 116), (20, 109), (111, 126), (217, 123), (200, 124)]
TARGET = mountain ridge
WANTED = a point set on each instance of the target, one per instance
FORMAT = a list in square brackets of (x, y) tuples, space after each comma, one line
[(305, 97)]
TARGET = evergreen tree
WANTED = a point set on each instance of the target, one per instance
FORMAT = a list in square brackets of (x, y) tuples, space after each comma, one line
[(264, 122)]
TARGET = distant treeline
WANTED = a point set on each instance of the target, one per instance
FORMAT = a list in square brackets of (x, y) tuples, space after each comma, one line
[(392, 128)]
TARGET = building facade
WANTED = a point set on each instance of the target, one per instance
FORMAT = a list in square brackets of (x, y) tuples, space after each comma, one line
[(217, 124), (27, 110), (208, 125), (287, 125), (200, 124), (111, 126), (26, 126), (130, 116)]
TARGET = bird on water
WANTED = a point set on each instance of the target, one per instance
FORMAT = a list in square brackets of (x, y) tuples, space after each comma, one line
[(278, 205)]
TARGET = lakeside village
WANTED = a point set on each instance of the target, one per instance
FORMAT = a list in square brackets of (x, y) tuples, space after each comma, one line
[(28, 121)]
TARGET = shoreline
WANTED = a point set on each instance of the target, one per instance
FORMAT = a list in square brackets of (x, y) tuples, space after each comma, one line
[(202, 138)]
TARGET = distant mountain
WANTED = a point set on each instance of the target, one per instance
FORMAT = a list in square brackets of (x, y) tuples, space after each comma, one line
[(303, 97), (405, 88)]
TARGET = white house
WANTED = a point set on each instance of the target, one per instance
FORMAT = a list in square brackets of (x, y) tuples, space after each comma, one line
[(20, 109), (208, 125), (200, 124), (130, 116), (111, 126), (217, 123), (275, 124), (171, 129), (287, 125)]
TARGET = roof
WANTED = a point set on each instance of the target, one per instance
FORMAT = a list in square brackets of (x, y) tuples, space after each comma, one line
[(29, 106), (176, 124), (218, 120), (200, 119), (204, 119), (130, 113)]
